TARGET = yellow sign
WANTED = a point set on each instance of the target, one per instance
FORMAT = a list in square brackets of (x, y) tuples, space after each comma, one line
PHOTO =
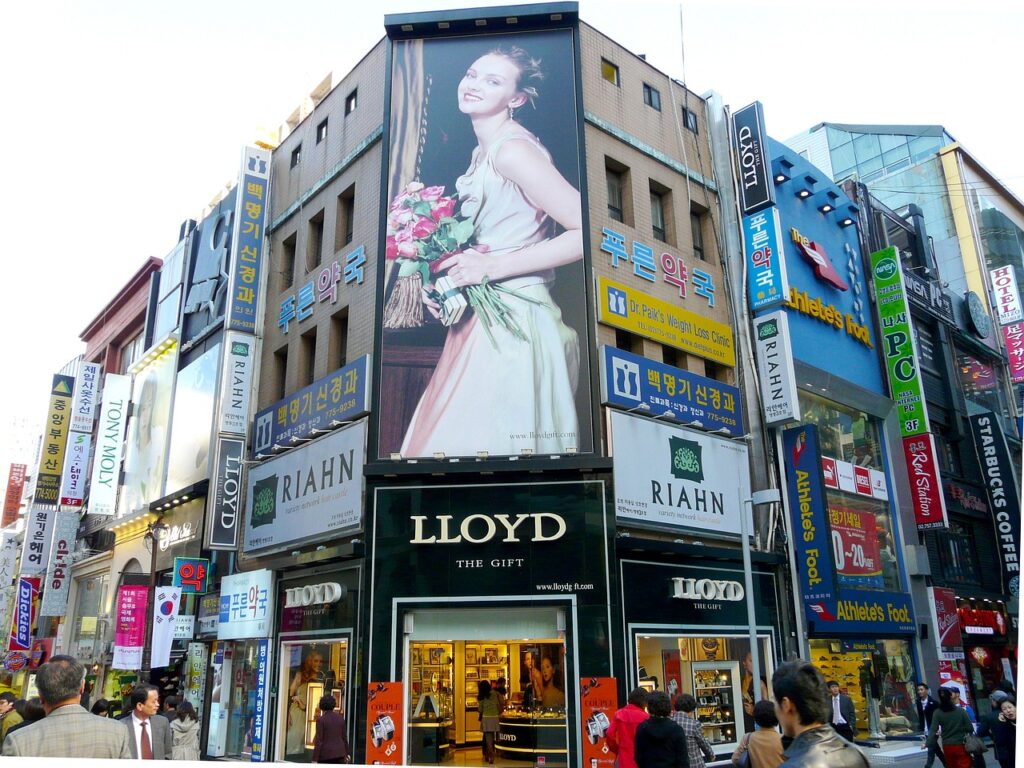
[(663, 322), (55, 437)]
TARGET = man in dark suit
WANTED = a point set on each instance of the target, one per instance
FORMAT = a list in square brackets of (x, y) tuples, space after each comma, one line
[(926, 705), (149, 737), (842, 717)]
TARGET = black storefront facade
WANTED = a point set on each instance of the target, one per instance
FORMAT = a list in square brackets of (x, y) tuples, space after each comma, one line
[(482, 581)]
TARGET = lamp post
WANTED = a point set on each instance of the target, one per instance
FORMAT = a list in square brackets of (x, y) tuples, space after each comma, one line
[(152, 531), (758, 498)]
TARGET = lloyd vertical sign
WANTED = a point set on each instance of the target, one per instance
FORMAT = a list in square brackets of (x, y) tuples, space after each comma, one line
[(755, 183), (775, 374), (106, 466), (226, 494)]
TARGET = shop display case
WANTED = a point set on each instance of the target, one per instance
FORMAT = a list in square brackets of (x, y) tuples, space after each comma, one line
[(431, 723), (716, 686), (537, 737)]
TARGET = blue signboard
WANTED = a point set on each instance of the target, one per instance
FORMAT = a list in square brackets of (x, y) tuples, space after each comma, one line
[(250, 223), (830, 315), (340, 396), (23, 624), (767, 283), (633, 382), (260, 707), (830, 610)]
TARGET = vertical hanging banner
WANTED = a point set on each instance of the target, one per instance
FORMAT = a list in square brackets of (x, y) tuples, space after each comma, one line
[(767, 281), (1003, 494), (598, 702), (26, 602), (775, 374), (83, 412), (58, 572), (197, 658), (165, 613), (106, 467), (55, 436), (384, 729), (236, 382), (261, 711), (756, 187), (35, 553), (925, 483), (225, 494), (130, 627), (948, 639), (8, 556), (12, 499), (1013, 337), (252, 203), (1007, 297), (79, 442)]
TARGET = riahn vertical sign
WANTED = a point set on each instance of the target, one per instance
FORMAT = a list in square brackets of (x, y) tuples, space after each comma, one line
[(775, 374), (757, 191)]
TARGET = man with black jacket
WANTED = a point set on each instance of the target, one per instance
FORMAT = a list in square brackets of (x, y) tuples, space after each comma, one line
[(802, 706), (926, 705)]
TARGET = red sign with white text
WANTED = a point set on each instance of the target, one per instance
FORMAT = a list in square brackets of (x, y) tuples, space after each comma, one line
[(862, 477), (1013, 336), (384, 728), (15, 487), (925, 486), (855, 547), (830, 472), (948, 637), (598, 702)]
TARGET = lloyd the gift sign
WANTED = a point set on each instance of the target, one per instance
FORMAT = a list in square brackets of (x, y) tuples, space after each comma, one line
[(666, 476), (227, 494), (756, 187)]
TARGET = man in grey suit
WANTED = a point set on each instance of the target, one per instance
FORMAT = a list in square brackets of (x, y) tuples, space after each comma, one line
[(69, 729), (843, 716), (149, 737)]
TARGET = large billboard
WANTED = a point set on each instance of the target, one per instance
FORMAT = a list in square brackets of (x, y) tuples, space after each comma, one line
[(188, 457), (484, 212)]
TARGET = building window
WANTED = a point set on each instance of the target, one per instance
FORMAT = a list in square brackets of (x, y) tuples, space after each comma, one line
[(609, 72), (280, 383), (614, 194), (712, 370), (131, 351), (321, 131), (697, 232), (619, 195), (661, 213), (690, 120), (315, 243), (627, 341), (651, 97), (346, 214), (308, 361), (672, 356), (337, 353), (350, 102), (296, 156), (957, 554), (288, 261)]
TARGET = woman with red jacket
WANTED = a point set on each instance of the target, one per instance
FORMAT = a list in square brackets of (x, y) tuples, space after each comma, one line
[(621, 734)]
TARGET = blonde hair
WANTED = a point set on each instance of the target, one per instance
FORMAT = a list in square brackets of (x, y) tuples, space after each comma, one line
[(530, 74)]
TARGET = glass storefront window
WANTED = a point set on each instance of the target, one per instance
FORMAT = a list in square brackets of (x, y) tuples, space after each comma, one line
[(878, 675), (845, 433), (979, 381), (240, 675), (310, 671), (91, 598)]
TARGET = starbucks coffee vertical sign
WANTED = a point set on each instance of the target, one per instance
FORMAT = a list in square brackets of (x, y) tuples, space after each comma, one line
[(666, 476)]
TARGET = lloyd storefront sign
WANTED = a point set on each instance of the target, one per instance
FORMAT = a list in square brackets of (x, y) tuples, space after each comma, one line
[(830, 605), (676, 478)]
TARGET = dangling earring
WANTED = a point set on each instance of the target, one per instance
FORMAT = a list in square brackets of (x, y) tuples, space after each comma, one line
[(511, 113)]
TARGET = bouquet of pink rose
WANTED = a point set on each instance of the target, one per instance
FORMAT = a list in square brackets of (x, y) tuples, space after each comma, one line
[(422, 231)]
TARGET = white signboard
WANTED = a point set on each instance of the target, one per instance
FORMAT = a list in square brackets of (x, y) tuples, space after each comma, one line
[(310, 492), (775, 373), (35, 554), (76, 460), (58, 573), (236, 383), (184, 627), (679, 478), (1007, 298), (83, 411), (106, 466), (246, 606), (8, 556)]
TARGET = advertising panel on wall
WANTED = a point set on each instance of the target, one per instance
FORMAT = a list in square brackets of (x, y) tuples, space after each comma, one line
[(55, 436), (12, 497), (1007, 296), (855, 547), (598, 702), (58, 572), (251, 206), (1003, 494), (1013, 337), (516, 327), (677, 478), (130, 626), (310, 492), (76, 459), (775, 375), (831, 606), (948, 639), (83, 411), (26, 603), (106, 467), (756, 186), (634, 382), (145, 458), (236, 382), (925, 484), (246, 605), (767, 282), (384, 731), (338, 397), (225, 498), (38, 536), (322, 289), (188, 455)]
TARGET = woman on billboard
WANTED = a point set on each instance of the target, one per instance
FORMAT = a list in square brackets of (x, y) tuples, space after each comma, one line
[(513, 364)]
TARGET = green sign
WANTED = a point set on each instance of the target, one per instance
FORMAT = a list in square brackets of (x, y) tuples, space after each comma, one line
[(898, 342)]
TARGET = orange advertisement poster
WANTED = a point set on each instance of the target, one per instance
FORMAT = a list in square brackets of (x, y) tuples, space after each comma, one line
[(384, 729), (598, 702)]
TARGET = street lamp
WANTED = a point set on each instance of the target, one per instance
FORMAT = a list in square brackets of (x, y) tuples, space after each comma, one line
[(758, 498), (152, 537)]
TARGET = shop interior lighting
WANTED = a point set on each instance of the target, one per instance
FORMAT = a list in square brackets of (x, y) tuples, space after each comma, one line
[(526, 452), (395, 456), (439, 455), (482, 454)]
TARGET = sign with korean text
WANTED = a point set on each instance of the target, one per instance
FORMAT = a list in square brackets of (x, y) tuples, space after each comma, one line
[(226, 494), (632, 382), (197, 658), (925, 486), (106, 466), (83, 411), (754, 176), (309, 492), (598, 702), (166, 601), (384, 729), (299, 306), (58, 572), (12, 498), (948, 639), (184, 627), (670, 477), (38, 537), (130, 626), (191, 574), (1007, 304), (208, 614), (855, 547), (767, 283), (1003, 494), (636, 312), (252, 202), (26, 603), (898, 343), (1013, 337), (8, 556), (340, 396), (76, 460), (261, 711), (236, 382), (673, 270), (775, 373), (246, 608), (55, 436)]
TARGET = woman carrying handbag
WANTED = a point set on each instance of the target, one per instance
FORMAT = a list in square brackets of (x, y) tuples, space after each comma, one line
[(763, 747)]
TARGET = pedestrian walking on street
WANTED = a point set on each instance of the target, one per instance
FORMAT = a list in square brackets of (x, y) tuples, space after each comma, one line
[(101, 708), (660, 741), (9, 715), (926, 706), (1004, 733), (953, 724), (843, 716), (31, 712), (697, 747), (68, 729), (763, 746), (170, 708), (802, 706), (330, 745), (621, 736), (149, 736), (185, 733)]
